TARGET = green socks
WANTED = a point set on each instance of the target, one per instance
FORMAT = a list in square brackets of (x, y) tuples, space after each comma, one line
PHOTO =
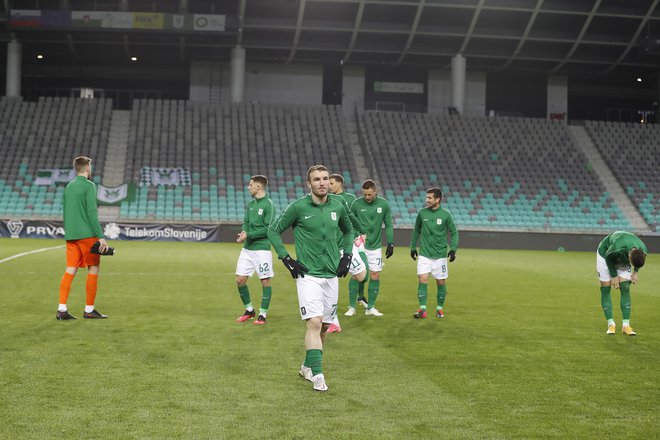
[(265, 299), (625, 300), (244, 292), (442, 294), (374, 286), (353, 292), (422, 295), (314, 360), (606, 301)]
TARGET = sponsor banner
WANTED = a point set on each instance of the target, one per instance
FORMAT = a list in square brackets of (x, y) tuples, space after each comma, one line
[(17, 228), (161, 232), (56, 19), (148, 20), (47, 19), (87, 19), (399, 87), (214, 23), (106, 195)]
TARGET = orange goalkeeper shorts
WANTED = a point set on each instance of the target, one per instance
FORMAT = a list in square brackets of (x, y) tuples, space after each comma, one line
[(78, 253)]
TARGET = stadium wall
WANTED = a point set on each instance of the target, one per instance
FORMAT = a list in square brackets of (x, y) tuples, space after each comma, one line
[(557, 95), (353, 89), (494, 240), (284, 83), (439, 93)]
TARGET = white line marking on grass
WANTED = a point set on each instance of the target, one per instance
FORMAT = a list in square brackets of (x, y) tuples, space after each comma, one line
[(36, 251)]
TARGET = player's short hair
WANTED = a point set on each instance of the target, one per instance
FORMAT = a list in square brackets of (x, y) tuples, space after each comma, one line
[(368, 184), (437, 192), (315, 168), (637, 257), (338, 177), (263, 180), (80, 163)]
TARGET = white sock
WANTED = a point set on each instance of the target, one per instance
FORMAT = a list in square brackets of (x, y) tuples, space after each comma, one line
[(61, 308), (625, 322), (610, 322), (89, 309), (250, 308)]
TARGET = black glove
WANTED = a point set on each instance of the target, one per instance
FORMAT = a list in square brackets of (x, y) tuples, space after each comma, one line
[(452, 256), (95, 249), (344, 265), (390, 250), (297, 269), (413, 254)]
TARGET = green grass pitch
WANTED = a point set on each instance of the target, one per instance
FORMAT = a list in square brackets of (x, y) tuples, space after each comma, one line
[(521, 354)]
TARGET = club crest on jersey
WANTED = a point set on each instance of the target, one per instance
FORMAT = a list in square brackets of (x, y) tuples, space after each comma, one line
[(261, 211), (439, 221), (333, 215), (379, 210)]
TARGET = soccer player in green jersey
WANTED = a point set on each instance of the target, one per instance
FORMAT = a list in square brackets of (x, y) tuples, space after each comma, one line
[(255, 255), (432, 224), (373, 212), (619, 257), (81, 231), (358, 268), (316, 220)]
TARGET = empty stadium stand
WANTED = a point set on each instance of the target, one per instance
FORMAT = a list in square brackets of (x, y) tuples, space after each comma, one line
[(47, 134), (223, 146), (632, 152), (506, 173), (495, 172)]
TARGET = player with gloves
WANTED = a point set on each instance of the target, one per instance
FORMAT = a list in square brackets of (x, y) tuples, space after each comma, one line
[(432, 223), (373, 211), (315, 218)]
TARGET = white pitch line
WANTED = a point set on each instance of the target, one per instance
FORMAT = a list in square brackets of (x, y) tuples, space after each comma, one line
[(22, 254)]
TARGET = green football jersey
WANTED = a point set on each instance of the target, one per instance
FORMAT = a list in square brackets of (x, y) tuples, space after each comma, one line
[(372, 216), (616, 247), (358, 228), (81, 218), (315, 232), (259, 215), (433, 226)]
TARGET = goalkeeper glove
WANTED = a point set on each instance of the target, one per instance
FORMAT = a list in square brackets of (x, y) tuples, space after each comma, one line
[(95, 249), (390, 250), (344, 265), (296, 268), (413, 254), (452, 256)]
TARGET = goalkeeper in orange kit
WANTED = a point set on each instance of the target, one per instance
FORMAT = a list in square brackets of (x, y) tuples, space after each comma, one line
[(81, 231)]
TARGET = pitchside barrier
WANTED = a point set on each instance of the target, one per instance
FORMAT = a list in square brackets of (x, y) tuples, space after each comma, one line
[(17, 228), (226, 232)]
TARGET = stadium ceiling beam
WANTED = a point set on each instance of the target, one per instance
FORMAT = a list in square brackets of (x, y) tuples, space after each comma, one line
[(635, 37), (525, 35), (296, 35), (241, 22), (182, 49), (473, 24), (356, 30), (127, 45), (413, 31), (579, 38)]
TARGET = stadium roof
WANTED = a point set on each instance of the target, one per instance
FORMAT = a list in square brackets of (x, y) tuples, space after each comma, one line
[(555, 36)]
